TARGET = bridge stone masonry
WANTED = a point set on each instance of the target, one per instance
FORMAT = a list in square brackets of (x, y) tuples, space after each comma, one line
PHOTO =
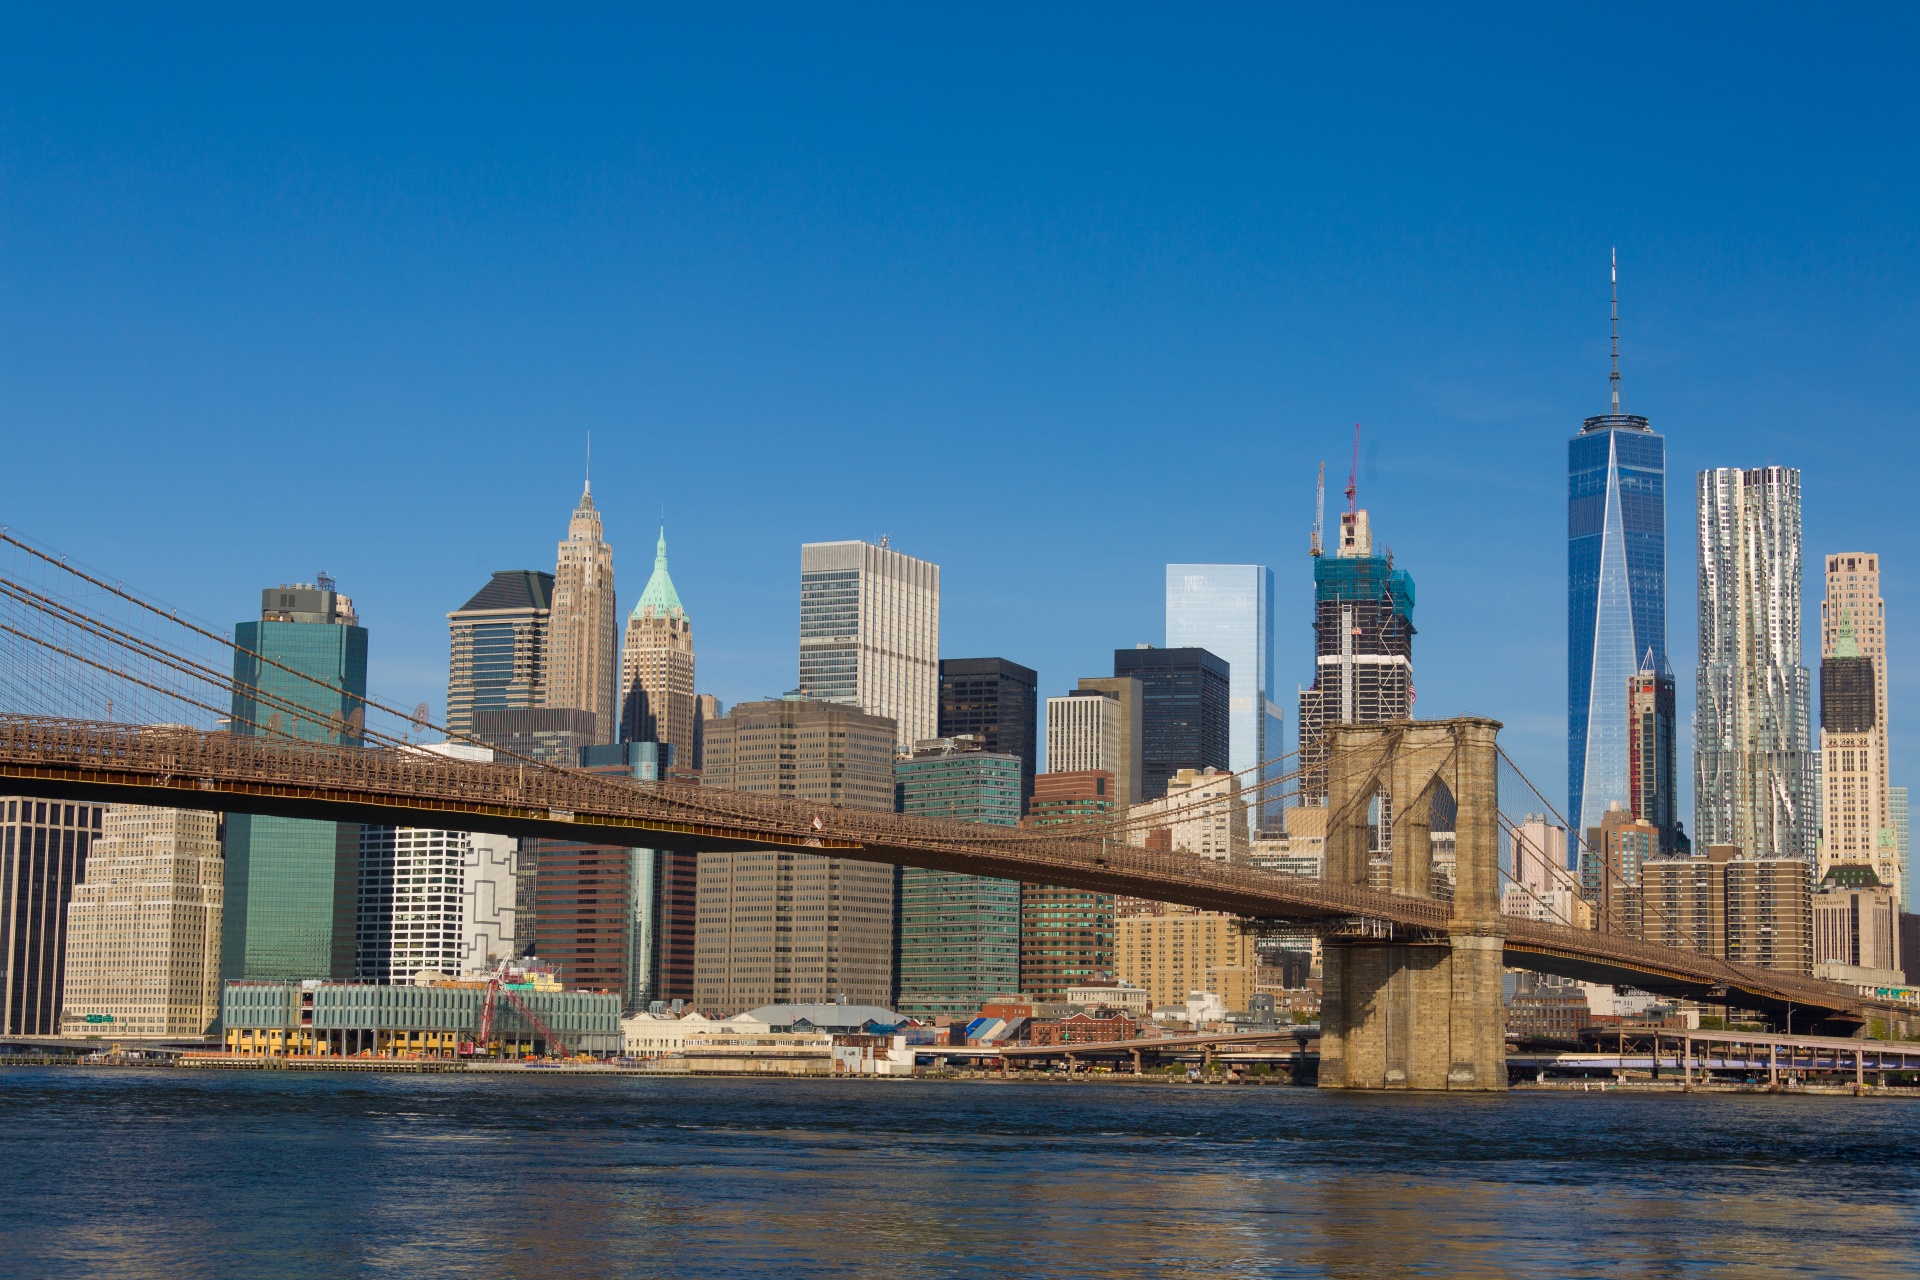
[(1415, 1008), (1413, 982)]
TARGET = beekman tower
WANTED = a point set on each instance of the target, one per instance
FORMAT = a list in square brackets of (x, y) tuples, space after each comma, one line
[(1616, 594)]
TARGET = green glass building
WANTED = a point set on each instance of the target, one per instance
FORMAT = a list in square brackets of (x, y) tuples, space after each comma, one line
[(291, 885), (959, 935)]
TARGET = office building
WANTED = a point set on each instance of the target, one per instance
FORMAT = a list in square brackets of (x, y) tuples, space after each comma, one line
[(706, 709), (1856, 809), (1087, 730), (959, 934), (656, 666), (43, 853), (1185, 696), (1227, 609), (435, 901), (292, 886), (498, 648), (1171, 956), (1897, 815), (997, 703), (550, 735), (1616, 593), (1754, 776), (870, 633), (1363, 646), (1202, 814), (582, 655), (1611, 863), (782, 927), (1652, 771), (596, 905), (143, 929), (1130, 695), (1539, 853), (1856, 928), (1066, 935)]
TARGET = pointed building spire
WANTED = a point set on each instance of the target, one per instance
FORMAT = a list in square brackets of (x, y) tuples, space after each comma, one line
[(659, 595), (1613, 379)]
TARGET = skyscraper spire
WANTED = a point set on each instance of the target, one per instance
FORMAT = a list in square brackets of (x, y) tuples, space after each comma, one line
[(588, 490), (1613, 379)]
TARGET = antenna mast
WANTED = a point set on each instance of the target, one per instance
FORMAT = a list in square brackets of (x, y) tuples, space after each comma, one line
[(1319, 507), (1354, 473), (1613, 379)]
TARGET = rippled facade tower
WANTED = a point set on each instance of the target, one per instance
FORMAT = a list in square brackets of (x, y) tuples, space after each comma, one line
[(1755, 777), (1616, 592)]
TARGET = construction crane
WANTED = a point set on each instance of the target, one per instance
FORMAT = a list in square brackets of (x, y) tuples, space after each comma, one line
[(497, 987), (1354, 474), (1319, 507)]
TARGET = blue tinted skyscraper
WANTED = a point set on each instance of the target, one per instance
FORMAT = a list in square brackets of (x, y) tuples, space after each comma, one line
[(1616, 593), (292, 886), (1227, 609)]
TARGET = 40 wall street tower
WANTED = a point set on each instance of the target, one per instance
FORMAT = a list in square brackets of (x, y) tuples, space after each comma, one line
[(1616, 591)]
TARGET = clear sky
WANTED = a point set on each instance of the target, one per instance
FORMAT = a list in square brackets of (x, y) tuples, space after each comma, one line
[(1050, 298)]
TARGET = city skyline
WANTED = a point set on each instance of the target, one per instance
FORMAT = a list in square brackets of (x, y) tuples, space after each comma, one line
[(1459, 312)]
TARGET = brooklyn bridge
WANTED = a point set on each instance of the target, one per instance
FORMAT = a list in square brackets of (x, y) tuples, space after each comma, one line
[(1412, 978)]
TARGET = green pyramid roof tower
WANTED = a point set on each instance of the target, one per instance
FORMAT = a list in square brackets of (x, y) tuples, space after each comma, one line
[(659, 595), (1844, 646)]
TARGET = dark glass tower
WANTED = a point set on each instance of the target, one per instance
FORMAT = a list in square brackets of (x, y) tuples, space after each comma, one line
[(1616, 593), (1185, 698), (997, 702)]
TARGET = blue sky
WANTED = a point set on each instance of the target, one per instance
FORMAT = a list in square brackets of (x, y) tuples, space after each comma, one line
[(1049, 298)]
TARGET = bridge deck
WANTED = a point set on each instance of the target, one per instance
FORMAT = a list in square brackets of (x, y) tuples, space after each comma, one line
[(185, 768)]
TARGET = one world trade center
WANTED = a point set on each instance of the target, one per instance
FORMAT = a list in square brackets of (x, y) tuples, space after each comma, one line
[(1616, 594)]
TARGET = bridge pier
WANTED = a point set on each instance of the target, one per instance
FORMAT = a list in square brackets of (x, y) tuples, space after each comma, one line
[(1420, 1010)]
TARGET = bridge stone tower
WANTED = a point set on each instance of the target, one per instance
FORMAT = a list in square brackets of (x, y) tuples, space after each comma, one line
[(1420, 1009)]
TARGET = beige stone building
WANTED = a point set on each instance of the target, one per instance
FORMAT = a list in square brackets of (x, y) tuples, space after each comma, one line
[(584, 629), (1130, 694), (1170, 955), (777, 927), (1203, 814), (143, 928), (1856, 929), (1856, 814), (656, 667)]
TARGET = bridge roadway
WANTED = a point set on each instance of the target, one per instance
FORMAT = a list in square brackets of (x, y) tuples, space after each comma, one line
[(190, 769)]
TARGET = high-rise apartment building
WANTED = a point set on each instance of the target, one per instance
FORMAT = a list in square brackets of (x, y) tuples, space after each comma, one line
[(583, 649), (498, 649), (440, 901), (1754, 776), (1202, 814), (1363, 646), (1131, 697), (1652, 772), (870, 633), (43, 853), (959, 934), (656, 666), (143, 929), (1227, 609), (292, 886), (1173, 955), (997, 703), (1856, 808), (1616, 592), (778, 927), (1066, 935), (1185, 697), (1612, 861), (1750, 910)]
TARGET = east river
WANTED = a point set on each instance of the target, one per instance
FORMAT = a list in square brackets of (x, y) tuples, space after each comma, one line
[(191, 1174)]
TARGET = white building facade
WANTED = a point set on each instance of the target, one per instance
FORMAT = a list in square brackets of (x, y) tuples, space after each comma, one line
[(870, 633)]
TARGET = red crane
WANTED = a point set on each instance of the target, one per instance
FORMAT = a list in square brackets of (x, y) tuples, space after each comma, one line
[(497, 987)]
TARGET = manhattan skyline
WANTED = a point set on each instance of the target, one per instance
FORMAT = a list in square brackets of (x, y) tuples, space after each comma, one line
[(245, 348)]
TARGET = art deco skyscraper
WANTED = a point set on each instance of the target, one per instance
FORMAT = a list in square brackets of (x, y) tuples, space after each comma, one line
[(1754, 776), (656, 666), (1616, 591), (1857, 810), (585, 630), (870, 633)]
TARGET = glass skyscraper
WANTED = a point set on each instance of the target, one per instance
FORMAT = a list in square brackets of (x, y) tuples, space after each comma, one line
[(292, 886), (1616, 599), (1227, 609)]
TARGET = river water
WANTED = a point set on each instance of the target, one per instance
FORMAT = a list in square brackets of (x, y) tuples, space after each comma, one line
[(241, 1174)]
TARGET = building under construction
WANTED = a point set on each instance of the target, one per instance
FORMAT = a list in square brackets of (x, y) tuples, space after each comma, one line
[(1363, 646)]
